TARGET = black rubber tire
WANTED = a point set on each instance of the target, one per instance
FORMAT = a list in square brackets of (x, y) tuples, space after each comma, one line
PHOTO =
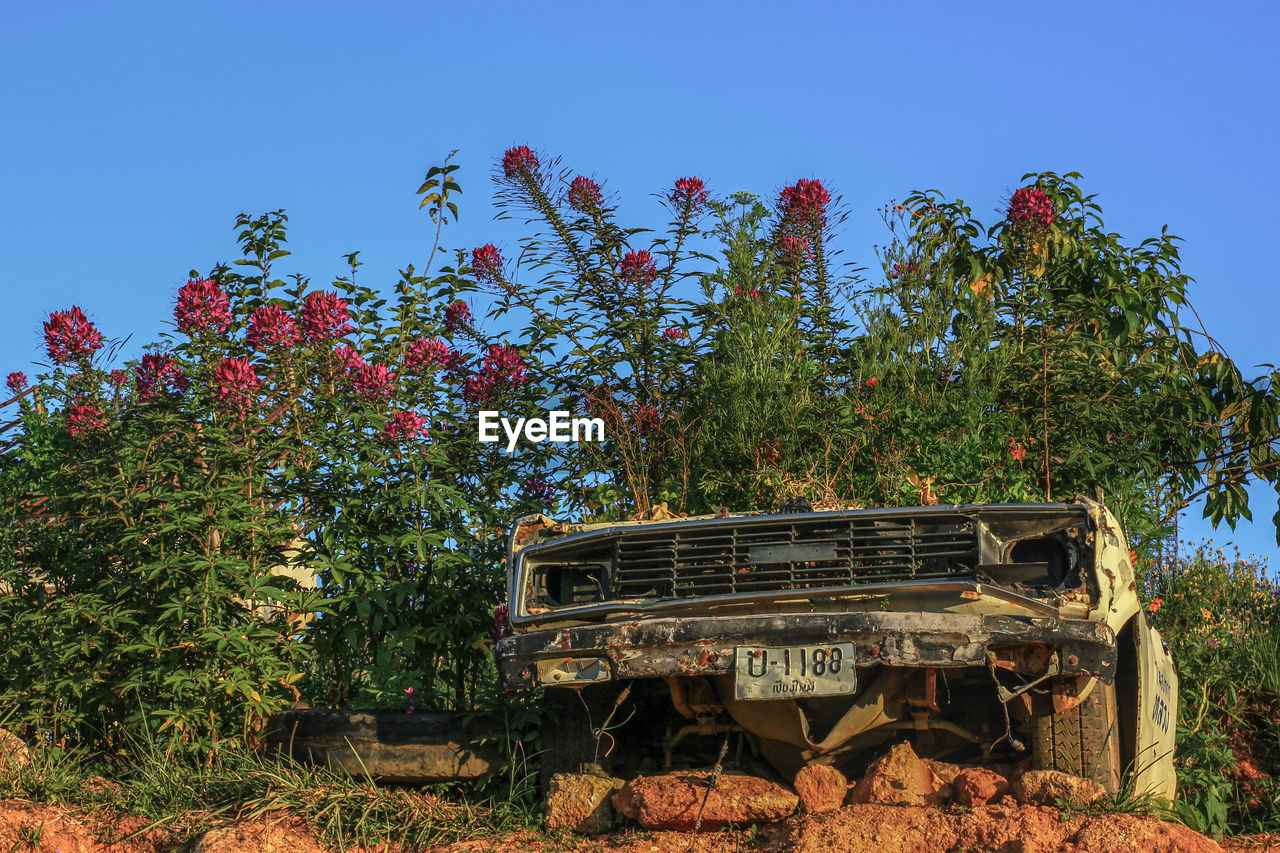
[(1084, 741), (571, 738)]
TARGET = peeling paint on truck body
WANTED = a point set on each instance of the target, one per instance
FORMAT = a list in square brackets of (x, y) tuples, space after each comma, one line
[(1040, 599)]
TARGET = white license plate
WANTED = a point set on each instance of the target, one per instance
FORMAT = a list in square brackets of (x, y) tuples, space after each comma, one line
[(788, 672)]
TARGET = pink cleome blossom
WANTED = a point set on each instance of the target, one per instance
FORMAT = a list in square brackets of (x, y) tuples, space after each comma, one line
[(804, 203), (202, 305), (69, 335), (234, 379), (638, 268), (689, 193), (84, 419), (325, 315), (17, 381), (675, 333), (502, 368), (404, 426), (486, 261), (457, 316), (647, 418), (585, 195), (161, 373), (425, 353), (519, 161), (540, 490), (271, 326), (374, 381), (793, 249), (349, 358), (1031, 206)]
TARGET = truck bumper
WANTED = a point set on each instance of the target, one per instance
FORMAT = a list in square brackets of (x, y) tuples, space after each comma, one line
[(674, 646)]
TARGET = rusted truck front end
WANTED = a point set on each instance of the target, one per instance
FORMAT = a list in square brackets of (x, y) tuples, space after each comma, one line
[(987, 634)]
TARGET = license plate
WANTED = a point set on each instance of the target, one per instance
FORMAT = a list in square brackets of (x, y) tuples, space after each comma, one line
[(788, 672)]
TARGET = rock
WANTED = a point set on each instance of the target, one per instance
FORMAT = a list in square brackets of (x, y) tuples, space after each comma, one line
[(277, 834), (821, 788), (902, 779), (1045, 787), (977, 786), (946, 772), (580, 803), (672, 800), (13, 752)]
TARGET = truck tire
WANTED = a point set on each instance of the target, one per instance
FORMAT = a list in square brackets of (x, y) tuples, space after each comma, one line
[(1084, 741), (571, 739)]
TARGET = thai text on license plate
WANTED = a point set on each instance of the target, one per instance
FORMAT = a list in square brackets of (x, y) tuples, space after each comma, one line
[(786, 672)]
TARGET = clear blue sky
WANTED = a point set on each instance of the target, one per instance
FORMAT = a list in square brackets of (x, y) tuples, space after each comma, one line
[(132, 134)]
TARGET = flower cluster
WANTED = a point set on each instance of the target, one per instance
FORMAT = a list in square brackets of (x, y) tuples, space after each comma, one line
[(689, 193), (404, 426), (374, 381), (487, 263), (271, 326), (502, 368), (349, 358), (325, 315), (457, 316), (234, 379), (638, 268), (804, 203), (647, 418), (159, 373), (424, 353), (17, 381), (585, 195), (539, 490), (794, 250), (519, 162), (1156, 604), (202, 305), (68, 335), (675, 333), (904, 269), (84, 419), (752, 292), (1031, 207)]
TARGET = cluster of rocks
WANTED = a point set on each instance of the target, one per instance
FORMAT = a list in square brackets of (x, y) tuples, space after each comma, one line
[(685, 800)]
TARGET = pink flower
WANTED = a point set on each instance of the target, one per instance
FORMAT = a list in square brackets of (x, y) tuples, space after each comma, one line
[(519, 162), (271, 326), (424, 353), (647, 418), (69, 335), (159, 372), (202, 305), (118, 378), (675, 334), (804, 203), (486, 261), (234, 379), (17, 381), (457, 316), (793, 249), (540, 490), (501, 621), (404, 426), (501, 369), (689, 193), (638, 268), (1031, 207), (585, 195), (753, 293), (83, 420), (325, 315), (373, 381)]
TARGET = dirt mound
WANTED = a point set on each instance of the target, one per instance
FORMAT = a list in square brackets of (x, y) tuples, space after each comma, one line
[(24, 826), (678, 800)]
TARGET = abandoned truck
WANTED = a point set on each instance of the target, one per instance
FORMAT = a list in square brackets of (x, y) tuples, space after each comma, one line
[(986, 634)]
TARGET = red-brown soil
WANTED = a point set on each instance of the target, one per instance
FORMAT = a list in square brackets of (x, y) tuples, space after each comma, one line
[(864, 828)]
